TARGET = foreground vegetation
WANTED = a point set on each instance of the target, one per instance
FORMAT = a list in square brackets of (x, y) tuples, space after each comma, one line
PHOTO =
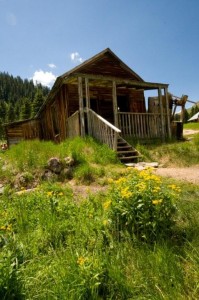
[(138, 239)]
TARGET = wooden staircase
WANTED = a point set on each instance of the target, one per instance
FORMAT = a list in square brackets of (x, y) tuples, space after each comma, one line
[(127, 153)]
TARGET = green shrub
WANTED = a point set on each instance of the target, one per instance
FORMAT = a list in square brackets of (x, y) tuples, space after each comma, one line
[(142, 205)]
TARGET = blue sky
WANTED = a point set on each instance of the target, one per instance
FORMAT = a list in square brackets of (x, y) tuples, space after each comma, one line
[(158, 39)]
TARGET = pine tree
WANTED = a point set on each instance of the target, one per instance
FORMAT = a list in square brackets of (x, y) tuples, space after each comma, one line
[(25, 109), (3, 110), (186, 116), (10, 113), (37, 102)]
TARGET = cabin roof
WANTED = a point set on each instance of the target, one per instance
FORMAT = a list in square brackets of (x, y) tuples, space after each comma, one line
[(105, 63), (104, 66), (194, 117)]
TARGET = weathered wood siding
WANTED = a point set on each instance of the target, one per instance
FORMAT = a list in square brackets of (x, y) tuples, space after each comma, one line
[(19, 131), (53, 118)]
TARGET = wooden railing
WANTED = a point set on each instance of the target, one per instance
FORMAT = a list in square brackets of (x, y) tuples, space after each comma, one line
[(102, 130), (143, 125), (73, 126)]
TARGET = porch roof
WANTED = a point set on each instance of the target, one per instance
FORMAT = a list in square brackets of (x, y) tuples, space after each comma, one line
[(106, 81)]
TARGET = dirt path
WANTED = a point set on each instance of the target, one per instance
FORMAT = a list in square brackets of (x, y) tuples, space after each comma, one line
[(189, 131), (190, 174)]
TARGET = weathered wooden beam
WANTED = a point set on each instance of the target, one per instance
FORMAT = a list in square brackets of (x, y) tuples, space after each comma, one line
[(81, 106), (161, 113), (168, 112), (88, 104), (115, 106), (131, 83)]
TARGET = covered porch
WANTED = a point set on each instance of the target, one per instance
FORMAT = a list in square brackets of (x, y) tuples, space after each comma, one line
[(123, 104)]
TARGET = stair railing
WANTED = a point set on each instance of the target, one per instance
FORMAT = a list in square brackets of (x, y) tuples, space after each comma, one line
[(102, 130)]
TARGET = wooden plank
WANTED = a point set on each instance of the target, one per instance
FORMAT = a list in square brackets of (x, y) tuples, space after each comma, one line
[(81, 106), (168, 112), (115, 106), (117, 80), (88, 104), (161, 113)]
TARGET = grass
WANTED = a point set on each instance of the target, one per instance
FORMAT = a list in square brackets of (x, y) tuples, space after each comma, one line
[(54, 248), (175, 154), (194, 126)]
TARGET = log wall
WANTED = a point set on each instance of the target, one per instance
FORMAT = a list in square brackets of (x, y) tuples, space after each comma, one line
[(19, 131)]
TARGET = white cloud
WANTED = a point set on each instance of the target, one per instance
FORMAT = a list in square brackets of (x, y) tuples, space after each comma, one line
[(52, 66), (76, 58), (45, 78), (11, 19)]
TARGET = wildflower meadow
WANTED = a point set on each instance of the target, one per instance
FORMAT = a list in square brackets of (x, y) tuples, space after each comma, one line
[(137, 238)]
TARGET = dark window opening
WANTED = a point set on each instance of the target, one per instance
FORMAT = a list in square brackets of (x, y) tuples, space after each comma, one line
[(123, 103)]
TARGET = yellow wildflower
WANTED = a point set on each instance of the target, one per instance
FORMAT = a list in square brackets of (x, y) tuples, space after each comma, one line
[(49, 194), (110, 180), (60, 194), (107, 204), (81, 260), (9, 227), (141, 186), (125, 193), (105, 222), (156, 189), (120, 180), (3, 228), (156, 202), (174, 187)]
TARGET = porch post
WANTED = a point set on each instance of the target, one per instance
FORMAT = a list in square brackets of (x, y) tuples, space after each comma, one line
[(168, 112), (161, 112), (88, 104), (115, 109), (81, 106)]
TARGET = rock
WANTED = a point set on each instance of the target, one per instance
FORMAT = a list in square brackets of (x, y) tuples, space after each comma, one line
[(25, 191), (143, 165), (55, 165), (67, 173), (49, 176), (1, 189), (23, 180), (69, 161)]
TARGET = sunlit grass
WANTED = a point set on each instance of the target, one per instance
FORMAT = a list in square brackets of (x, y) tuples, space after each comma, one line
[(54, 247), (190, 125)]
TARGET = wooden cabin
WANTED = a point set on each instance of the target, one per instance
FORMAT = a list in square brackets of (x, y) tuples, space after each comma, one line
[(103, 98)]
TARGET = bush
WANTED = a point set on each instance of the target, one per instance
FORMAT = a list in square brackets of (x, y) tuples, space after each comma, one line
[(142, 205)]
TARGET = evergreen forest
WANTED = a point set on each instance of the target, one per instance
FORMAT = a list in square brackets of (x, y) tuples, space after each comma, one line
[(19, 99)]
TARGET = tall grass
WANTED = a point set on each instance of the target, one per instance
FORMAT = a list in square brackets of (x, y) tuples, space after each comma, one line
[(179, 154), (194, 126), (53, 247), (31, 157)]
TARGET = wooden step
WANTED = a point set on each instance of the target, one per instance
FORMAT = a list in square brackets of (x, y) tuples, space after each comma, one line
[(124, 147), (130, 158), (126, 152)]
